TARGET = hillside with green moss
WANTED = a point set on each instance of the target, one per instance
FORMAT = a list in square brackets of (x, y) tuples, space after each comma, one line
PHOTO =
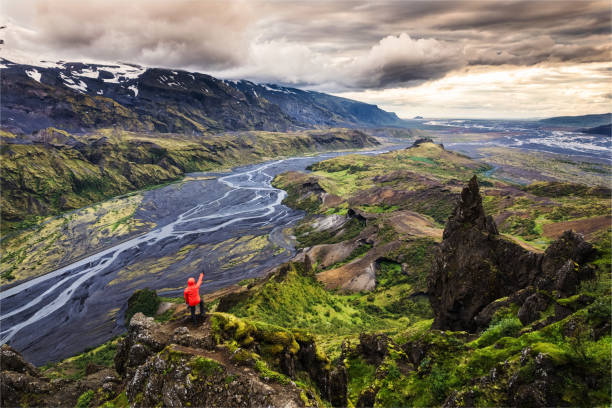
[(62, 172)]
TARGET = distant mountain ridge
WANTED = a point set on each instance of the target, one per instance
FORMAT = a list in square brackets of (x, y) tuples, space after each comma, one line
[(605, 130), (79, 97), (580, 121)]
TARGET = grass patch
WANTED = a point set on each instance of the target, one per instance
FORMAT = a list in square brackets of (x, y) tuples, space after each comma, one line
[(144, 301), (85, 399), (361, 375)]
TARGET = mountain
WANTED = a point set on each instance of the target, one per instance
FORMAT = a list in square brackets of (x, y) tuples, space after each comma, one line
[(579, 121), (78, 97), (605, 130)]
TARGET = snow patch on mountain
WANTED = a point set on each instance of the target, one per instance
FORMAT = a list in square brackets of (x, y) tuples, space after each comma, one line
[(71, 83), (134, 89), (87, 72), (281, 90), (34, 74)]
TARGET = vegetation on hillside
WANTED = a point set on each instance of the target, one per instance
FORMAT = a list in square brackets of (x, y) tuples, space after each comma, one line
[(385, 214), (44, 179)]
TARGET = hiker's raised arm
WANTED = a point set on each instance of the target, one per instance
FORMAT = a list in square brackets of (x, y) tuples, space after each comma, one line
[(200, 279)]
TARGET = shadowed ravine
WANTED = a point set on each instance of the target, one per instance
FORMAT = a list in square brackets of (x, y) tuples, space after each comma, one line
[(201, 225)]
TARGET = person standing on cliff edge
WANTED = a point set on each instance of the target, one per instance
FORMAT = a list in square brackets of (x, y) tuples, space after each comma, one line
[(192, 296)]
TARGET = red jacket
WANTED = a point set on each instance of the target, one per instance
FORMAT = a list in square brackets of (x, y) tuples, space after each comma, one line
[(192, 291)]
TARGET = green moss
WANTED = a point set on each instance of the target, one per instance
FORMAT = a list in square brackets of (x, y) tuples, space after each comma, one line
[(204, 367), (304, 399), (120, 401), (389, 273), (164, 317), (506, 326), (558, 355), (270, 375), (228, 326), (360, 376), (85, 399), (300, 302), (74, 367), (242, 356), (144, 301)]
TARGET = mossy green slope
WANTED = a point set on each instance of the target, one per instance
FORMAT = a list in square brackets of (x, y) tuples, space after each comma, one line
[(44, 179)]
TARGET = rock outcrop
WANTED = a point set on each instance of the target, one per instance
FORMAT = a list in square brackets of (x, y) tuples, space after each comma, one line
[(475, 266), (182, 376), (22, 384)]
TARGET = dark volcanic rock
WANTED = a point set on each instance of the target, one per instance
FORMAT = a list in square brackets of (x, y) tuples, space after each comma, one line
[(470, 213), (367, 398), (424, 140), (11, 360), (333, 382), (143, 339), (475, 266), (180, 377), (374, 347), (21, 384), (531, 308)]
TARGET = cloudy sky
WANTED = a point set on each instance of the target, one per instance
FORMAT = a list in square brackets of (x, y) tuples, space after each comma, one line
[(497, 59)]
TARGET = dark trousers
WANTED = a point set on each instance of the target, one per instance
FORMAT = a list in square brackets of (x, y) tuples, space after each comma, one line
[(192, 310)]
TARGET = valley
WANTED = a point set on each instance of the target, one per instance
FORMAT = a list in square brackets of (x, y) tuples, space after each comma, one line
[(350, 258), (382, 234)]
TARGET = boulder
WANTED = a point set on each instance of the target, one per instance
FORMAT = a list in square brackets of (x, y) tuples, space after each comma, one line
[(142, 340), (373, 347), (531, 308), (11, 360)]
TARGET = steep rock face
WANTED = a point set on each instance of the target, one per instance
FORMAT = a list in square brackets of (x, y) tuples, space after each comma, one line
[(475, 266)]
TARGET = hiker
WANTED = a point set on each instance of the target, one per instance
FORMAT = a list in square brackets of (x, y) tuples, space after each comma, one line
[(192, 296)]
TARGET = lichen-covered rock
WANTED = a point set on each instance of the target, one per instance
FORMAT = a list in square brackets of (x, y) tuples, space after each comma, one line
[(11, 360), (475, 266), (179, 377), (21, 384), (373, 347), (142, 340), (531, 308), (15, 386), (367, 398)]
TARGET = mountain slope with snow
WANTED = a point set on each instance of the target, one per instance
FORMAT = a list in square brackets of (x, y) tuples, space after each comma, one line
[(78, 97)]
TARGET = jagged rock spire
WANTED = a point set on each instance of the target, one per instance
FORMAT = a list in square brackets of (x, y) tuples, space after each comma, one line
[(469, 211), (474, 266)]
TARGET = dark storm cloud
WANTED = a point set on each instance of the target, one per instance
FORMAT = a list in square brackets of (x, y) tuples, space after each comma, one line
[(339, 45), (210, 35)]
